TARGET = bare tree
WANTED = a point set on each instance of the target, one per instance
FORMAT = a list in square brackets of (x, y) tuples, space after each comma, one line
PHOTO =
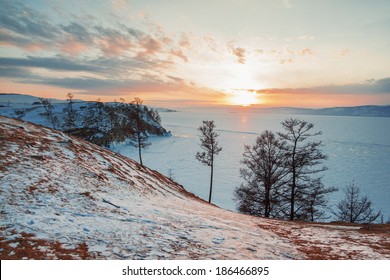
[(140, 137), (355, 208), (171, 174), (70, 113), (264, 173), (20, 114), (303, 159), (94, 117), (154, 114), (315, 201), (48, 106), (210, 145)]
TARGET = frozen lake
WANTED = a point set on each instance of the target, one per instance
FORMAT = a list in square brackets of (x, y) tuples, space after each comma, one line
[(358, 149)]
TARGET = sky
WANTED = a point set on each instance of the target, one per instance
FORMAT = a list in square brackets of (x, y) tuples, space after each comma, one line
[(175, 53)]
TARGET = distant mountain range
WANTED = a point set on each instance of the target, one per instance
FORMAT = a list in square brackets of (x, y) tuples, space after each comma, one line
[(6, 98), (355, 111)]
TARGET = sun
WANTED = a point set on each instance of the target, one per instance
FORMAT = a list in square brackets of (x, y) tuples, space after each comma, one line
[(244, 98)]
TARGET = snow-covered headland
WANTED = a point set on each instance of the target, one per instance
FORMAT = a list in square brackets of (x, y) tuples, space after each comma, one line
[(98, 122)]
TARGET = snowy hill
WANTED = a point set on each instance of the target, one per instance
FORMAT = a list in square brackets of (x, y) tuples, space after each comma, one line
[(18, 99), (63, 198)]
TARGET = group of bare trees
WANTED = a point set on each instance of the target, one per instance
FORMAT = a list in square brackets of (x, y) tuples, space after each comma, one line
[(281, 171), (282, 176)]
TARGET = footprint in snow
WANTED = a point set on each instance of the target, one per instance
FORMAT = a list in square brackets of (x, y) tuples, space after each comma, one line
[(219, 240)]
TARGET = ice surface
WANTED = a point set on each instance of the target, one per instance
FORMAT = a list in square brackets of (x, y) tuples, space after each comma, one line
[(358, 149)]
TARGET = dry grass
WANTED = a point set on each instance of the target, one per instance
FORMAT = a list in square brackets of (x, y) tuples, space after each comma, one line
[(341, 242), (27, 246)]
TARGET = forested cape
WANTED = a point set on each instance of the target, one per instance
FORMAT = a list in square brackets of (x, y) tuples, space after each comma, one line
[(97, 122), (104, 123)]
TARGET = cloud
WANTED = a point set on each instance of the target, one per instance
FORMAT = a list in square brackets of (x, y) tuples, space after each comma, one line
[(150, 45), (8, 38), (109, 75), (285, 55), (97, 86), (78, 32), (118, 5), (29, 29), (238, 52), (73, 47), (179, 53), (25, 21), (184, 41), (108, 55), (54, 63), (134, 32), (286, 61), (14, 72), (305, 51), (107, 67)]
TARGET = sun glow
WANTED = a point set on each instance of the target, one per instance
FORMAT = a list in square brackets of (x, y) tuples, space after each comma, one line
[(244, 98)]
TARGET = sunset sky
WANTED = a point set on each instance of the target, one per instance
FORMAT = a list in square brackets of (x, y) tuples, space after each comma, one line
[(178, 53)]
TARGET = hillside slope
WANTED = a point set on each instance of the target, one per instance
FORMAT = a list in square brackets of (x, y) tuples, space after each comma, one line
[(64, 198)]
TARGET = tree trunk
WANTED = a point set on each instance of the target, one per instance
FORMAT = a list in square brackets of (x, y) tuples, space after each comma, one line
[(140, 157), (293, 187), (292, 201), (139, 148), (211, 181), (292, 198), (267, 202)]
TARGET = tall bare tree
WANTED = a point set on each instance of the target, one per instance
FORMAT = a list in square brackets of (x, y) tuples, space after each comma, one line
[(140, 137), (303, 159), (355, 208), (49, 108), (210, 147), (70, 113)]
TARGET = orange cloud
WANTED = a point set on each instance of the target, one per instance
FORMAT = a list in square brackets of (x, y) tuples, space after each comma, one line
[(179, 53), (150, 45), (306, 51), (115, 45), (238, 52), (73, 47)]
